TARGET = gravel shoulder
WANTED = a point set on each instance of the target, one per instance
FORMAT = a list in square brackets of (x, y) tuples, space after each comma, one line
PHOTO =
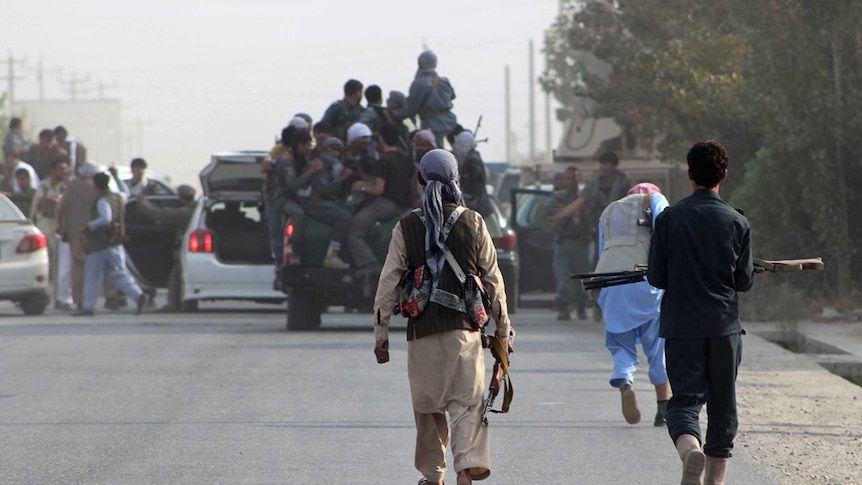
[(798, 418)]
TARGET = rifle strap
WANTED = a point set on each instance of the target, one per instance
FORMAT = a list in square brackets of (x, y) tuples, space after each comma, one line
[(501, 351)]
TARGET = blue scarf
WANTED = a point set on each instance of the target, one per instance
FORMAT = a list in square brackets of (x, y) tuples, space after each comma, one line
[(439, 169)]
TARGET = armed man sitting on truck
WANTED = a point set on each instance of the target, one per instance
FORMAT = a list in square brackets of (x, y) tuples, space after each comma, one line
[(393, 183), (178, 218)]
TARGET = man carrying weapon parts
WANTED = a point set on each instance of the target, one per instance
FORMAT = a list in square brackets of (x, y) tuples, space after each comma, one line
[(701, 256), (445, 361), (631, 311)]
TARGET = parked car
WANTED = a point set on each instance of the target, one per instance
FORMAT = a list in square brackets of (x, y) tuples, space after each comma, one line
[(23, 260), (224, 253), (311, 288), (535, 244)]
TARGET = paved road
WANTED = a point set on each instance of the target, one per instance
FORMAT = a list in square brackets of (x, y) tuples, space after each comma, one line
[(228, 397)]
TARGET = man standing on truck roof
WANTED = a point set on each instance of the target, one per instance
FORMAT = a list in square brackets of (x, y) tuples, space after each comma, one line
[(445, 360), (430, 97)]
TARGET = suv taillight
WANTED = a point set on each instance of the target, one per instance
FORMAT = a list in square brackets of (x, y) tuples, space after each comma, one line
[(508, 240), (201, 241), (288, 247), (30, 243)]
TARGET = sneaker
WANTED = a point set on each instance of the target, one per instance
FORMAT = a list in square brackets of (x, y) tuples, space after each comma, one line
[(659, 420), (142, 303), (83, 312), (630, 404), (333, 261)]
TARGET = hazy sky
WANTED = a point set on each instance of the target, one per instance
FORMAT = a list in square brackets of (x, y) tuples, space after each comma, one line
[(196, 77)]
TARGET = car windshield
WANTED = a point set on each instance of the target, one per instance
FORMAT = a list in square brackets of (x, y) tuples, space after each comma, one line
[(8, 211), (533, 208)]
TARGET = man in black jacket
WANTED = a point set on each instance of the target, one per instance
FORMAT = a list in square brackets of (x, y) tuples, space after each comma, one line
[(701, 255)]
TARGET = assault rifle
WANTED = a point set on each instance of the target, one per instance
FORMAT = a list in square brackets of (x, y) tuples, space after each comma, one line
[(499, 375), (592, 281)]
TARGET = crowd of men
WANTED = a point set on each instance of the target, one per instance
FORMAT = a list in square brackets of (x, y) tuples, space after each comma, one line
[(358, 164), (68, 198)]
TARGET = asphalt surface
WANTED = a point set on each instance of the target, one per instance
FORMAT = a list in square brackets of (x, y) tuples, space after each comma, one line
[(227, 396)]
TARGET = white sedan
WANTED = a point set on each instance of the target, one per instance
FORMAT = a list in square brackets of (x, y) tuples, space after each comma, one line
[(23, 260)]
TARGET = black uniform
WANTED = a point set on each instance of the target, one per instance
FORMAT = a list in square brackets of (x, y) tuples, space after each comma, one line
[(701, 255)]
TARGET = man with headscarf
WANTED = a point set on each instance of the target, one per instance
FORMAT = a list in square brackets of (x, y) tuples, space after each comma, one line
[(342, 113), (473, 176), (73, 213), (445, 361), (431, 98), (423, 141), (632, 311)]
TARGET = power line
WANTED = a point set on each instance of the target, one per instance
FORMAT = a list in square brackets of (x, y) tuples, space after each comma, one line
[(73, 83), (11, 62)]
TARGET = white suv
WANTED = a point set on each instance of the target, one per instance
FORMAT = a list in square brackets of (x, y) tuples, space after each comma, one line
[(225, 253)]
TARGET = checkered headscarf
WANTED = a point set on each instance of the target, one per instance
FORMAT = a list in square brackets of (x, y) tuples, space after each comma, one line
[(439, 169)]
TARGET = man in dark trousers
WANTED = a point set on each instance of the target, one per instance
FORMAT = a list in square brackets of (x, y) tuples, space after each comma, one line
[(701, 255)]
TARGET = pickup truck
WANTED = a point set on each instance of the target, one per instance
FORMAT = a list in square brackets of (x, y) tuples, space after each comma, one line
[(311, 288)]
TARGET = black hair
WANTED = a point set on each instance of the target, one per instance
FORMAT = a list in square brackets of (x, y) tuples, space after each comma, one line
[(390, 133), (707, 163), (286, 133), (609, 157), (452, 134), (100, 180), (14, 123), (299, 160), (59, 160), (22, 171), (322, 127), (60, 129), (373, 94), (366, 164), (352, 87), (139, 162), (46, 133)]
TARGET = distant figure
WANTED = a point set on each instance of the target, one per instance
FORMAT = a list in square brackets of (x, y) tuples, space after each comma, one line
[(13, 164), (473, 175), (43, 212), (73, 213), (423, 141), (430, 97), (23, 197), (178, 218), (394, 103), (41, 154), (103, 236), (15, 142), (74, 148), (632, 311), (139, 183), (571, 246), (343, 113), (321, 132)]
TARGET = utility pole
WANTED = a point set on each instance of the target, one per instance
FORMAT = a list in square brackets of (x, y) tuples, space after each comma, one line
[(73, 83), (508, 104), (40, 76), (532, 86), (101, 88), (548, 128), (10, 77)]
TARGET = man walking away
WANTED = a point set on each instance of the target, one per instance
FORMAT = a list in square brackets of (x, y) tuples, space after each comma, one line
[(104, 235), (445, 361), (701, 255)]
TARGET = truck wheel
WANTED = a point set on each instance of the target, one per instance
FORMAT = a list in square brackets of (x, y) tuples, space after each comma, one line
[(303, 309), (34, 304)]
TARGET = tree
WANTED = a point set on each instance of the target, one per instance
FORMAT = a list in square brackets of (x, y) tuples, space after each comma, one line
[(778, 83)]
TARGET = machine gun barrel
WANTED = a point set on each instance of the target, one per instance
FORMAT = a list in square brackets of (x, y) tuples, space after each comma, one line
[(592, 281)]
